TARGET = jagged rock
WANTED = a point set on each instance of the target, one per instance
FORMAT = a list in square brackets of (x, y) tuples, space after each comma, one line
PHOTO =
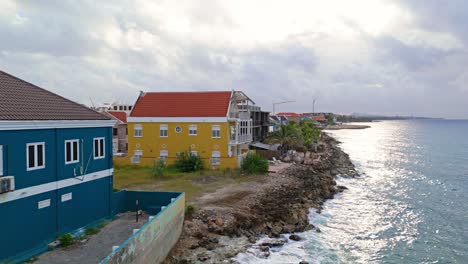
[(303, 262), (219, 221), (274, 242), (318, 230), (203, 257), (252, 239), (295, 237)]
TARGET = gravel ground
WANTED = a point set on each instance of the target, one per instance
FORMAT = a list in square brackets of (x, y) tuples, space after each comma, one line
[(98, 246)]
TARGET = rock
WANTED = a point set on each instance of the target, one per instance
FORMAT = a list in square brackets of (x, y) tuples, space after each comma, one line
[(252, 239), (274, 242), (318, 230), (210, 246), (219, 221), (203, 257), (264, 248), (303, 262), (295, 237)]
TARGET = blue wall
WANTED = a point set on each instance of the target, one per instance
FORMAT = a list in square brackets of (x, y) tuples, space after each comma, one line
[(26, 228)]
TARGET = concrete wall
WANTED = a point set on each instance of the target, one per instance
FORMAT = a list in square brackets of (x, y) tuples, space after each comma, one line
[(153, 242)]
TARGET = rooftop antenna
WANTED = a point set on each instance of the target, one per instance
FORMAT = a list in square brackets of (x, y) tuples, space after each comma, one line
[(92, 103)]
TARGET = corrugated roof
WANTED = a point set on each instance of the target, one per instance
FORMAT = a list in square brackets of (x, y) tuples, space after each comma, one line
[(20, 100), (122, 116), (182, 104)]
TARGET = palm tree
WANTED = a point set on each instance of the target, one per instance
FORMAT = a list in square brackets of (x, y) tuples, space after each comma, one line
[(287, 136)]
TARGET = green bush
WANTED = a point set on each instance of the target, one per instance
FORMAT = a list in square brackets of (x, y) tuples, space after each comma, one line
[(66, 240), (254, 164), (159, 168), (190, 209), (91, 231), (187, 162)]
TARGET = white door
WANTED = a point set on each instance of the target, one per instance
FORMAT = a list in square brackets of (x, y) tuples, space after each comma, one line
[(1, 160)]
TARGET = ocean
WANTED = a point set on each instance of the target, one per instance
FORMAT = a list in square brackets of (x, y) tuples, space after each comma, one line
[(410, 204)]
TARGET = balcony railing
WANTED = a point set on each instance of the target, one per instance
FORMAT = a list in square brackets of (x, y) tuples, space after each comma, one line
[(240, 115), (240, 139)]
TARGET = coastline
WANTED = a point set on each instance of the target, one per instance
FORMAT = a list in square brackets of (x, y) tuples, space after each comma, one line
[(231, 220)]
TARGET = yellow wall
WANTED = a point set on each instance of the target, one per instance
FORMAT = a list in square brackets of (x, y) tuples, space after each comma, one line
[(151, 143)]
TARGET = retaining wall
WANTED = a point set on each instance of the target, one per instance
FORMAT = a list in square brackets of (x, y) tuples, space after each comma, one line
[(153, 242)]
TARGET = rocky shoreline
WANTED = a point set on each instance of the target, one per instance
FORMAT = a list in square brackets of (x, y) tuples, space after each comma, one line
[(234, 220)]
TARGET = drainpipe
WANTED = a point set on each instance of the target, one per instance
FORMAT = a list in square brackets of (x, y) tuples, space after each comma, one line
[(57, 211)]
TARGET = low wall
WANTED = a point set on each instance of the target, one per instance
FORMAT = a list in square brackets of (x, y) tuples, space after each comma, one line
[(155, 239)]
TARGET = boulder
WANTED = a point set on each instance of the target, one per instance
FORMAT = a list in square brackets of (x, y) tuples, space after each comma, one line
[(295, 237), (274, 242)]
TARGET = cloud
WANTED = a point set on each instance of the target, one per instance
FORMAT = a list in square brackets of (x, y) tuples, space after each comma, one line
[(387, 56)]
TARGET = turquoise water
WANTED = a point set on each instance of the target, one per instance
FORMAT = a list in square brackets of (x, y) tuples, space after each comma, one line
[(409, 206)]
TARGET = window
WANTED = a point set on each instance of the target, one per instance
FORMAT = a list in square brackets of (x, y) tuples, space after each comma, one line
[(114, 131), (99, 148), (1, 160), (115, 107), (194, 153), (129, 107), (163, 154), (163, 131), (138, 131), (193, 130), (120, 108), (35, 156), (72, 150), (178, 129), (215, 132), (215, 158)]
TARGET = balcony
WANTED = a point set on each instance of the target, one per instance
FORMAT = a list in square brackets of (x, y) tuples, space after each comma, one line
[(240, 139), (239, 115)]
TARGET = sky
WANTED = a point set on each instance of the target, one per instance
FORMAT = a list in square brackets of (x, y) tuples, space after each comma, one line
[(391, 57)]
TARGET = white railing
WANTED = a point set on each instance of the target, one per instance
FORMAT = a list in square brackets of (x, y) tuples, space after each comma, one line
[(240, 139)]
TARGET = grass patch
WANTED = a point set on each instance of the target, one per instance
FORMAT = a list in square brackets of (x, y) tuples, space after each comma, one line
[(194, 184)]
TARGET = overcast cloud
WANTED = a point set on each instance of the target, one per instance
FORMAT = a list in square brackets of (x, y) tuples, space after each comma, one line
[(373, 56)]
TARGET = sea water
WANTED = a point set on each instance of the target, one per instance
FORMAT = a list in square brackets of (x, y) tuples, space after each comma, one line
[(410, 204)]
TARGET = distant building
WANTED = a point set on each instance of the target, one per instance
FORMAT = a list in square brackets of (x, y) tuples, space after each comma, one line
[(217, 126), (55, 167), (119, 132)]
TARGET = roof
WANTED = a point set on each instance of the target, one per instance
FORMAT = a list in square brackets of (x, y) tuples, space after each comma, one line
[(120, 115), (289, 115), (319, 118), (182, 104), (20, 100), (265, 146)]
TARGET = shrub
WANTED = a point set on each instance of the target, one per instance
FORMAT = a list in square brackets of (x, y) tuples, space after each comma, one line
[(254, 163), (66, 240), (187, 162), (190, 209), (158, 168), (91, 231)]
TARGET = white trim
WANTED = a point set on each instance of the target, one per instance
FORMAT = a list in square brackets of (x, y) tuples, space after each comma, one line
[(52, 186), (1, 160), (164, 127), (35, 144), (32, 124), (99, 148), (71, 141), (193, 128), (177, 119), (216, 128)]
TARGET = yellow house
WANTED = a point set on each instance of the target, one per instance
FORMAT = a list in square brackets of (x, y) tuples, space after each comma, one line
[(214, 125)]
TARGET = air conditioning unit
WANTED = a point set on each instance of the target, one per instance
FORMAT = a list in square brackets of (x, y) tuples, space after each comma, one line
[(7, 184)]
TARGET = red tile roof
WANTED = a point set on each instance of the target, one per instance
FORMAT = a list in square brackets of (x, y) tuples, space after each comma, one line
[(182, 104), (319, 118), (20, 100), (122, 116), (289, 115)]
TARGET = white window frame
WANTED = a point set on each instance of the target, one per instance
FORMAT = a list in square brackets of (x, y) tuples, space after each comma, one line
[(1, 160), (194, 153), (138, 130), (164, 128), (36, 144), (216, 128), (193, 130), (216, 158), (163, 155), (99, 148), (71, 141)]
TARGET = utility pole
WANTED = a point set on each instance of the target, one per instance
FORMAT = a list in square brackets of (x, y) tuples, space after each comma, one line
[(278, 103)]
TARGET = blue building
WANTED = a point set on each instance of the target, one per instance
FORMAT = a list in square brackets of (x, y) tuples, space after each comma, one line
[(55, 167)]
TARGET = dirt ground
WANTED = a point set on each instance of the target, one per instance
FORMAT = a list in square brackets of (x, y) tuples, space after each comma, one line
[(96, 247)]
